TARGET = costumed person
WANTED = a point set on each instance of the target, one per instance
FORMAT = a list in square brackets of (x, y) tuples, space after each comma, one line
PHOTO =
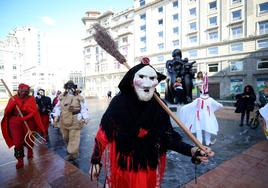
[(178, 91), (204, 119), (198, 83), (135, 133), (245, 103), (44, 107), (13, 126), (264, 113), (72, 115), (56, 98)]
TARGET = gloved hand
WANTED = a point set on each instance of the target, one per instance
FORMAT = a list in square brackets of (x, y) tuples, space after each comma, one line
[(95, 171), (199, 155)]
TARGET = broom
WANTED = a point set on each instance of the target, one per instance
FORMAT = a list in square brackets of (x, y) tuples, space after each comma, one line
[(104, 40)]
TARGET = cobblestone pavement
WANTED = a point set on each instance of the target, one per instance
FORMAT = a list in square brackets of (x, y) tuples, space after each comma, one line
[(231, 141)]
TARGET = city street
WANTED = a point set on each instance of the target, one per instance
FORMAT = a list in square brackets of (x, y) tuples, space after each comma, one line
[(231, 141)]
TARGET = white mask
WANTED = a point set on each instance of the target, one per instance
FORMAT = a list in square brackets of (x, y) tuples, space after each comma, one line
[(145, 81)]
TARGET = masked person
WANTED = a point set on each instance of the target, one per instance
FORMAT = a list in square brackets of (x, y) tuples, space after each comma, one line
[(72, 114), (199, 115), (13, 126), (44, 107), (136, 133)]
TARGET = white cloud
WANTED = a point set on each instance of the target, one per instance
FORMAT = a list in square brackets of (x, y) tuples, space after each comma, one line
[(47, 20)]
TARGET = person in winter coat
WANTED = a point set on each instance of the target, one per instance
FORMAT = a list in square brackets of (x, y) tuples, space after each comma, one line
[(245, 103)]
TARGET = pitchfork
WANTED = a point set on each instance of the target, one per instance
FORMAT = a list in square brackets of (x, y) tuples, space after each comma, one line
[(32, 135)]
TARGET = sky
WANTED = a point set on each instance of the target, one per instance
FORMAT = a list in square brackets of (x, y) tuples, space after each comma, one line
[(60, 20)]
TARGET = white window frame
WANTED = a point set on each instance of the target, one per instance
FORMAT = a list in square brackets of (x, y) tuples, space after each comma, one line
[(234, 47), (176, 43), (192, 15), (238, 66), (175, 4), (259, 8), (264, 60), (214, 48), (234, 2), (175, 17), (236, 36), (213, 24), (214, 8), (175, 30), (212, 65), (214, 39), (233, 19), (264, 29), (160, 9), (193, 28), (193, 53), (160, 34), (191, 39), (263, 41), (160, 46)]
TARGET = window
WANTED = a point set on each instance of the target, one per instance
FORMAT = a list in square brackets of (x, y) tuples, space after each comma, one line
[(193, 26), (143, 49), (160, 9), (160, 58), (193, 53), (236, 66), (125, 39), (160, 46), (236, 32), (175, 17), (213, 51), (236, 15), (14, 67), (175, 30), (236, 47), (193, 39), (14, 77), (263, 27), (142, 3), (213, 5), (213, 67), (262, 43), (235, 1), (143, 28), (160, 22), (175, 4), (192, 12), (160, 34), (263, 8), (262, 64), (143, 39), (176, 43), (143, 16), (213, 36), (213, 21)]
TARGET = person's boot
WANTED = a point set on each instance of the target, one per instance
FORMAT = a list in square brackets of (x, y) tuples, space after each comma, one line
[(71, 157), (19, 163), (19, 154), (30, 154)]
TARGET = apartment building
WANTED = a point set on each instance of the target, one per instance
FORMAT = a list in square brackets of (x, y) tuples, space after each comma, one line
[(102, 72), (228, 39)]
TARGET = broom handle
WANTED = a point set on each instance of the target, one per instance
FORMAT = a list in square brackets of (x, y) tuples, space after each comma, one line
[(173, 116), (20, 113)]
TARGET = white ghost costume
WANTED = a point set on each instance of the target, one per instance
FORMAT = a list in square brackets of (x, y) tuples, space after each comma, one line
[(199, 116), (264, 113)]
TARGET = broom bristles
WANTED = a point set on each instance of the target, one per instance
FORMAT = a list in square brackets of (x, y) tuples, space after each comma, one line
[(105, 41)]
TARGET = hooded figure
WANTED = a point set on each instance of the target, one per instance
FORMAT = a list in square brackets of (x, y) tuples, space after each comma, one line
[(138, 132), (204, 118), (13, 127)]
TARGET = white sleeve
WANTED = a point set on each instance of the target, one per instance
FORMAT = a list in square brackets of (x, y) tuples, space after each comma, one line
[(84, 111), (264, 112), (57, 109)]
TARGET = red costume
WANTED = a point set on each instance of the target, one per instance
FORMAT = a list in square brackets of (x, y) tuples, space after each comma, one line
[(13, 127)]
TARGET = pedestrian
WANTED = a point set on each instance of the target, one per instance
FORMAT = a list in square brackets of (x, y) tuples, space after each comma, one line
[(264, 113), (199, 115), (72, 115), (109, 94), (56, 98), (245, 103), (13, 126), (198, 83), (44, 107), (178, 91), (136, 132)]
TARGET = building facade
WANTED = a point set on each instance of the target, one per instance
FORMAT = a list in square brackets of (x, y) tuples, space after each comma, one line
[(228, 39)]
